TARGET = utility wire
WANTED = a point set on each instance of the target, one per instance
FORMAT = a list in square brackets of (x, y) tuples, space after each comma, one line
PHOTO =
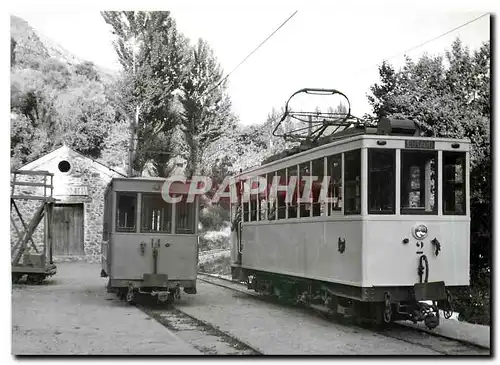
[(437, 37), (247, 57), (418, 46)]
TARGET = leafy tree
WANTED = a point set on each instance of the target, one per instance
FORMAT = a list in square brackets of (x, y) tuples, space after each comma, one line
[(206, 106), (85, 117), (151, 52), (450, 97)]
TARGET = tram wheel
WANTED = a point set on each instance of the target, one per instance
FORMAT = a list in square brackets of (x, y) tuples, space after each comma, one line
[(16, 278)]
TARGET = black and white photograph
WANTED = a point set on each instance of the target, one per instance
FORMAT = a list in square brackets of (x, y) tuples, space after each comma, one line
[(250, 179)]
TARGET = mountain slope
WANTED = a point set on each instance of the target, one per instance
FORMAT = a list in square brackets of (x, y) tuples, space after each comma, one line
[(32, 45)]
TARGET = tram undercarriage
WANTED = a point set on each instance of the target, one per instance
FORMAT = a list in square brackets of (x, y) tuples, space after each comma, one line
[(380, 305)]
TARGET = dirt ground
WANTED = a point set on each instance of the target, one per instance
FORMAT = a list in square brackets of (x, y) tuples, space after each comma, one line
[(71, 314)]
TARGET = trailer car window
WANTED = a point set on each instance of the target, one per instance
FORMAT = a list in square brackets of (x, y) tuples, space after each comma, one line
[(125, 213), (454, 183), (418, 182), (352, 180), (184, 217), (381, 181), (156, 214)]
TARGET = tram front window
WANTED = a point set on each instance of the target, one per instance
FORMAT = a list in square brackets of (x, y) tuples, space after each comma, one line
[(125, 212), (156, 214), (418, 182)]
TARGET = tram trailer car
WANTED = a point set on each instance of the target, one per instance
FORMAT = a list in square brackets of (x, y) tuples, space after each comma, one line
[(393, 242), (150, 246)]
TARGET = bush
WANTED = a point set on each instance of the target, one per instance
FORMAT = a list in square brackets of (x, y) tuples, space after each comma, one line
[(214, 218), (214, 240), (474, 307)]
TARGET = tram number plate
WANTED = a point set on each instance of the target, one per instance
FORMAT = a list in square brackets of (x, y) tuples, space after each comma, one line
[(426, 145), (430, 291)]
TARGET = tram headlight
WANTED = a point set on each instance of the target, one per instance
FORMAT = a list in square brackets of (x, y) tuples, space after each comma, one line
[(420, 231)]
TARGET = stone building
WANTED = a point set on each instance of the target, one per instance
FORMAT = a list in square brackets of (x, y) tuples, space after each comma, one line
[(79, 183)]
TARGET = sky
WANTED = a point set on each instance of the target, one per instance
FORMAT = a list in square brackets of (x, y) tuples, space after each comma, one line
[(333, 45)]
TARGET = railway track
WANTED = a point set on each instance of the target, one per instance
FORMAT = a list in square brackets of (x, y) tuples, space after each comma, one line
[(420, 337), (206, 338)]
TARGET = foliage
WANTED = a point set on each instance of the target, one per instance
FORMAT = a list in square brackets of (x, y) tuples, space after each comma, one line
[(151, 52), (450, 97), (214, 218), (206, 114), (474, 306)]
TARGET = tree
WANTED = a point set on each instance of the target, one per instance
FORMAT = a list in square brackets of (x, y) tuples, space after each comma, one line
[(85, 116), (206, 106), (151, 52)]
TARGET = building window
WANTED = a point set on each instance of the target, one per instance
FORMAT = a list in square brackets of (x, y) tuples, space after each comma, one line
[(125, 213), (185, 214), (156, 214), (418, 182), (454, 183), (352, 179), (64, 166), (381, 181)]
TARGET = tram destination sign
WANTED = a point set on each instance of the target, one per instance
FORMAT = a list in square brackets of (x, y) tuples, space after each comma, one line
[(423, 145)]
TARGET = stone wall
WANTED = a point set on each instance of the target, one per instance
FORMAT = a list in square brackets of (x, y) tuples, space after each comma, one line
[(83, 172)]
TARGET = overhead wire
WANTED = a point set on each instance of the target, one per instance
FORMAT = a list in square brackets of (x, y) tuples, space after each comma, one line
[(248, 56), (417, 46)]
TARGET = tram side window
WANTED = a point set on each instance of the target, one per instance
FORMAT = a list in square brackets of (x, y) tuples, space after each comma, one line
[(185, 216), (381, 181), (156, 214), (125, 212), (304, 174), (334, 173), (292, 202), (263, 199), (253, 208), (352, 180), (244, 217), (318, 170), (418, 182), (454, 183), (281, 194), (271, 198)]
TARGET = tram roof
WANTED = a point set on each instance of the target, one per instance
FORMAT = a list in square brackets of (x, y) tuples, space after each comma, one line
[(389, 128)]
